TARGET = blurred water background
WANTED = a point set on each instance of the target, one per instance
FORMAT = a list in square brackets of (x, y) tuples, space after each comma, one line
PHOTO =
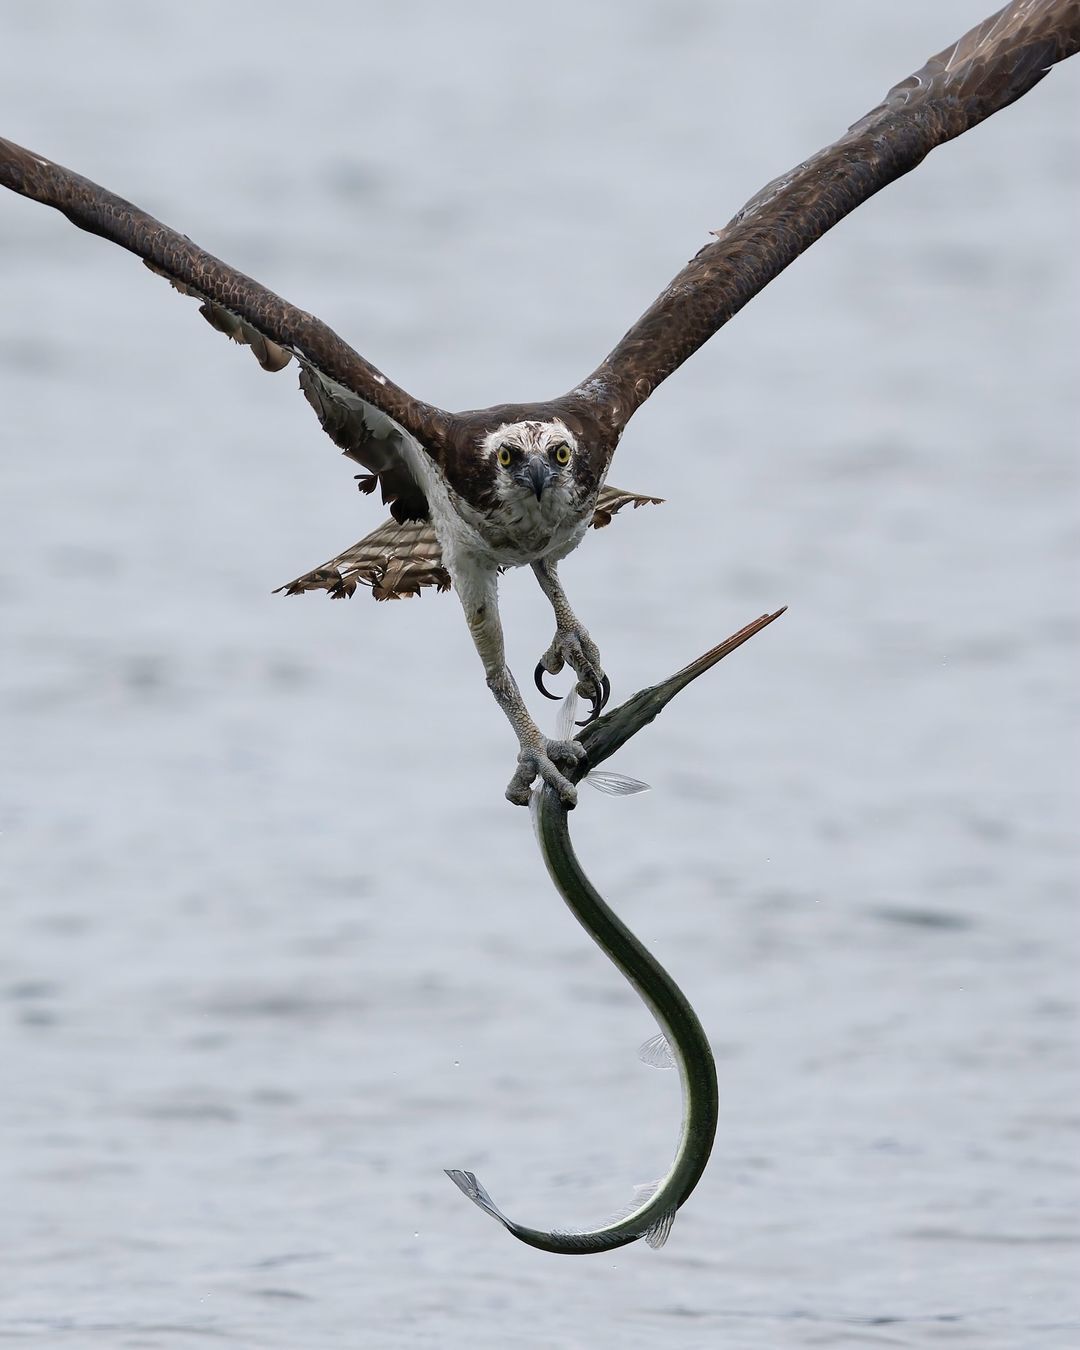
[(274, 949)]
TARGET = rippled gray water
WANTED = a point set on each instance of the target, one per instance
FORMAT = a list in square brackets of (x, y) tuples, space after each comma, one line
[(274, 949)]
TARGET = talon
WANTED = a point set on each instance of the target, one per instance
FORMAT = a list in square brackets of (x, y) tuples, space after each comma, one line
[(599, 701), (569, 753), (551, 762), (538, 679), (542, 760)]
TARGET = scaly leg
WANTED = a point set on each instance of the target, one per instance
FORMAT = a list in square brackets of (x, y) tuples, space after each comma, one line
[(571, 645), (478, 592)]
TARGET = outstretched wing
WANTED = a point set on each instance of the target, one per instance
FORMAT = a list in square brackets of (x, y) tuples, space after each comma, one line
[(986, 70), (359, 408), (400, 559)]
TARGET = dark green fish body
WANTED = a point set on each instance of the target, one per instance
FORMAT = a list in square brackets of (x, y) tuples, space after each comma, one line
[(652, 1218)]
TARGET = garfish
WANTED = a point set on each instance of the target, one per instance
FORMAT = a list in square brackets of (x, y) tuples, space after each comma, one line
[(682, 1040)]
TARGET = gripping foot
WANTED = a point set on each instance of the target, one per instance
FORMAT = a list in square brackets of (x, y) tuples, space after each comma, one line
[(574, 648), (543, 761)]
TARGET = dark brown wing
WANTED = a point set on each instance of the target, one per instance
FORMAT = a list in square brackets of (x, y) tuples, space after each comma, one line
[(985, 71), (398, 559), (370, 438), (354, 401)]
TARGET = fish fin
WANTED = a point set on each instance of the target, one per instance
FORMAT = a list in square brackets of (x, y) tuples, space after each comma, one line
[(468, 1184), (615, 784), (656, 1052), (657, 1232), (534, 810), (564, 723), (657, 1235), (643, 1193)]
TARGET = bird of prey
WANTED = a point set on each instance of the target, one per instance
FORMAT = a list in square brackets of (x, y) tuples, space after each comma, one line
[(473, 493)]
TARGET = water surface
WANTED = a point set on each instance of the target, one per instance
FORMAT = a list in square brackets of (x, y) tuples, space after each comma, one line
[(276, 952)]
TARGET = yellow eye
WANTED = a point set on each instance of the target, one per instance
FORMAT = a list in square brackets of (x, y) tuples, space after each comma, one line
[(562, 454), (504, 457)]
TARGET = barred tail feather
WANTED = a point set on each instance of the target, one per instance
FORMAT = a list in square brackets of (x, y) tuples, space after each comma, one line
[(612, 500), (396, 560), (402, 558)]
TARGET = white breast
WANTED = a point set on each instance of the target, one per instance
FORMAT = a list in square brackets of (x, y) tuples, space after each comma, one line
[(521, 529)]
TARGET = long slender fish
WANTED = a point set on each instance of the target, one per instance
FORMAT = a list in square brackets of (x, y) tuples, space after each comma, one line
[(652, 1218)]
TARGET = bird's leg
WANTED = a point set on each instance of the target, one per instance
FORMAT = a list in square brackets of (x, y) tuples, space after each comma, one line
[(571, 645), (537, 755)]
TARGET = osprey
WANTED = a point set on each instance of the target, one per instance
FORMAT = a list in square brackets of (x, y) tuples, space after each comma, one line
[(473, 493)]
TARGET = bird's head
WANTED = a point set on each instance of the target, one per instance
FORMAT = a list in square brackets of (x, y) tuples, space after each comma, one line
[(531, 457)]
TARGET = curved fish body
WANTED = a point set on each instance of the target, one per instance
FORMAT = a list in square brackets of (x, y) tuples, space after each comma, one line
[(653, 1216)]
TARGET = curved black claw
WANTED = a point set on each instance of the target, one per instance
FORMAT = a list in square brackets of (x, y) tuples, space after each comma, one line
[(538, 680), (599, 703)]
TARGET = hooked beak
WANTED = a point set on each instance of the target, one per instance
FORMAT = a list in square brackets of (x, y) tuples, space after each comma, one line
[(538, 474)]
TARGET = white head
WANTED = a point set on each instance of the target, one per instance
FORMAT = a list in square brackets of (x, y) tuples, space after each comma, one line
[(531, 457)]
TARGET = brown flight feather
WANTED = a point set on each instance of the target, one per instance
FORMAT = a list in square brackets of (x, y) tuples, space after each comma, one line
[(367, 415), (988, 68)]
